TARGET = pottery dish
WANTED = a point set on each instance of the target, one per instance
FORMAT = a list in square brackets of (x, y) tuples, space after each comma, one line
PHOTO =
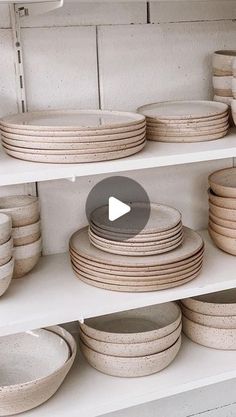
[(218, 322), (23, 209), (5, 228), (6, 250), (6, 273), (25, 235), (227, 244), (223, 62), (223, 182), (221, 303), (26, 257)]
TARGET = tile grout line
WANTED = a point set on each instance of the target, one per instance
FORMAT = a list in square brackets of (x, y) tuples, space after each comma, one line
[(98, 69), (148, 13)]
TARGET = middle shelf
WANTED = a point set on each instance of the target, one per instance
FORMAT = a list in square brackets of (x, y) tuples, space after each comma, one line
[(52, 294)]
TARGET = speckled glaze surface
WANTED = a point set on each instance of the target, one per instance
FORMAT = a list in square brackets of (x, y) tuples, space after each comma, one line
[(225, 231), (222, 62), (222, 303), (18, 398), (224, 202), (131, 349), (6, 273), (6, 250), (5, 228), (24, 210), (224, 339), (131, 367), (223, 213), (218, 322), (223, 182), (222, 222), (25, 235), (26, 258), (227, 244), (135, 326)]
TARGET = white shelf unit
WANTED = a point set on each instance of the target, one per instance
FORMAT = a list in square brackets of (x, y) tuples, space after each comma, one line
[(13, 171), (89, 393)]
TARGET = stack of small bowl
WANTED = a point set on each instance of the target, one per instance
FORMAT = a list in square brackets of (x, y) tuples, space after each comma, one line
[(25, 214), (222, 209), (222, 62), (113, 265), (73, 136), (233, 102), (186, 121), (133, 343), (6, 252), (210, 320), (43, 357)]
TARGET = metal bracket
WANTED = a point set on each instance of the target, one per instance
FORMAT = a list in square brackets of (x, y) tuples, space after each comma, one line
[(34, 9)]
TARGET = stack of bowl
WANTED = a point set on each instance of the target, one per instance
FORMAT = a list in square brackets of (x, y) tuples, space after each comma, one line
[(6, 252), (222, 62), (133, 343), (210, 319), (46, 356), (73, 136), (233, 102), (162, 233), (222, 209), (24, 212), (186, 121)]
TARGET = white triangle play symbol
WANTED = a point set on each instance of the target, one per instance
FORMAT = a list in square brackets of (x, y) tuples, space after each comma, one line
[(117, 209)]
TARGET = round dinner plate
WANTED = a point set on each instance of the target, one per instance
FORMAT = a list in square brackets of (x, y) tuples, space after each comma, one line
[(186, 109), (80, 243), (162, 218), (66, 120), (186, 132), (186, 139), (211, 124), (73, 159)]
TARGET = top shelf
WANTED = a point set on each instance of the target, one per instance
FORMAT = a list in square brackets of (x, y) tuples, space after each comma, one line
[(13, 171)]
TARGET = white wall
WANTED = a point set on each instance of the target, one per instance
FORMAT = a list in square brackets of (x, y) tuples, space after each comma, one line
[(120, 56)]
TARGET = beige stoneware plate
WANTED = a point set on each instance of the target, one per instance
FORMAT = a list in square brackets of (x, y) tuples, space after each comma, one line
[(188, 123), (221, 303), (223, 182), (139, 325), (194, 126), (185, 132), (186, 139)]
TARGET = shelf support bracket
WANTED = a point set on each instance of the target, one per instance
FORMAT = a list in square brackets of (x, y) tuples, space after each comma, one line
[(34, 9)]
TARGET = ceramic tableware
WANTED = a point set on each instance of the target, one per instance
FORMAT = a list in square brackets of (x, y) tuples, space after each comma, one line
[(227, 244), (221, 303), (223, 182), (5, 228), (26, 258), (6, 273), (24, 235), (6, 252), (218, 322), (23, 209)]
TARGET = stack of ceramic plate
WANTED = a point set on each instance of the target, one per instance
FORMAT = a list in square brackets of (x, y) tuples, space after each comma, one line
[(186, 121), (133, 343), (222, 62), (6, 252), (210, 320), (162, 233), (73, 136), (43, 358), (136, 274), (25, 212), (222, 209)]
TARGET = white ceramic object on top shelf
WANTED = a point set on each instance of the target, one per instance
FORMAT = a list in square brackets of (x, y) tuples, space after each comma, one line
[(223, 62), (6, 250), (5, 228), (23, 387), (23, 209), (6, 274), (26, 258)]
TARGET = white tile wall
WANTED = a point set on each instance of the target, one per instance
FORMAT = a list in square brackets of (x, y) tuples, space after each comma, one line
[(4, 16), (180, 11), (141, 64), (60, 67), (8, 100), (76, 13)]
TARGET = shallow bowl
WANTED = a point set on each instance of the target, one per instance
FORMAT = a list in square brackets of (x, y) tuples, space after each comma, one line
[(224, 202), (223, 182), (6, 273), (131, 367), (227, 244), (5, 228), (26, 393), (26, 257), (223, 213), (225, 231), (23, 209), (221, 303), (218, 322), (135, 326), (6, 250), (24, 235), (224, 339)]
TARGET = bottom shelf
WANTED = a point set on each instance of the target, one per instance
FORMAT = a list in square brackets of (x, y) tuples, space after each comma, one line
[(89, 393)]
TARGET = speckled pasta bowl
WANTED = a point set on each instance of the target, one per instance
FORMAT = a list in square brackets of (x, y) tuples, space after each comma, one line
[(33, 381)]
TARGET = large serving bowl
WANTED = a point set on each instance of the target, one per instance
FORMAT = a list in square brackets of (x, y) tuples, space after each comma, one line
[(135, 326), (6, 252), (6, 273), (131, 367), (26, 258), (24, 235), (218, 322), (132, 349), (215, 338), (23, 209), (5, 228), (32, 380), (222, 303)]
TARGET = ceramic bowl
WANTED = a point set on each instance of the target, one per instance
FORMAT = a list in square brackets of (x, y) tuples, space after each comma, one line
[(6, 273), (224, 339), (223, 62), (221, 222), (227, 244), (5, 228), (218, 322), (225, 231), (223, 213), (227, 203), (6, 250), (234, 87), (131, 367), (23, 387), (223, 182), (24, 235), (223, 86), (221, 303), (23, 209), (26, 257), (233, 108), (134, 326), (131, 349)]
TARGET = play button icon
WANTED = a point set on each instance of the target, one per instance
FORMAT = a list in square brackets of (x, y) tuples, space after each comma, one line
[(117, 209), (115, 201)]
